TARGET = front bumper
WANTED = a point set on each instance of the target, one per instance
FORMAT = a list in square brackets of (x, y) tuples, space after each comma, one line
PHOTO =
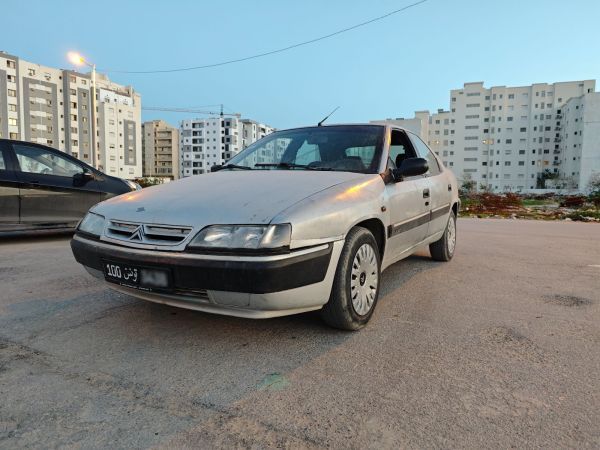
[(247, 286)]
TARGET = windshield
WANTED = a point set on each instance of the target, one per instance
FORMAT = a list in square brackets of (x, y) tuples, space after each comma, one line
[(347, 148)]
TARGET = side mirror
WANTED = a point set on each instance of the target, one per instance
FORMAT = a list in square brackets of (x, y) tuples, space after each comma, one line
[(216, 167), (79, 179), (410, 167)]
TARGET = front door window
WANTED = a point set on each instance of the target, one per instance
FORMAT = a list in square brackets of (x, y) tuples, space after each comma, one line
[(40, 161)]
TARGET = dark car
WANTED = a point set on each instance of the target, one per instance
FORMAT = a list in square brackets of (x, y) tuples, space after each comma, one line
[(41, 187)]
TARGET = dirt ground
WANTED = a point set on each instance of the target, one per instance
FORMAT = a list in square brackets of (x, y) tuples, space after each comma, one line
[(498, 348)]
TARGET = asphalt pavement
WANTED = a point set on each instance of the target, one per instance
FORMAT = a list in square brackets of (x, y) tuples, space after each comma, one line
[(498, 348)]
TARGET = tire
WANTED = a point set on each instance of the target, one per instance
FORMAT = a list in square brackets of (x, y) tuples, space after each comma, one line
[(360, 250), (443, 249)]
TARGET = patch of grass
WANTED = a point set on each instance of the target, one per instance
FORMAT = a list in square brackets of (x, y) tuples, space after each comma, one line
[(538, 202)]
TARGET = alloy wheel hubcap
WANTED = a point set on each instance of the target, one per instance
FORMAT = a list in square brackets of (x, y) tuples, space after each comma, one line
[(451, 235), (364, 279)]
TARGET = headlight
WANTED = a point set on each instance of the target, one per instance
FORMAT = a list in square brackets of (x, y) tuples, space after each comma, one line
[(133, 185), (92, 223), (243, 237)]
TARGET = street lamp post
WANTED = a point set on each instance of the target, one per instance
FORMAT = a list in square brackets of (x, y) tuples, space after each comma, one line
[(79, 60)]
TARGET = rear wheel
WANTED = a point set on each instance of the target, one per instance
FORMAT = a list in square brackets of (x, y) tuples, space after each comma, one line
[(356, 285), (443, 249)]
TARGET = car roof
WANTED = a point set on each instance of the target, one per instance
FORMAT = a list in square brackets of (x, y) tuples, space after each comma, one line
[(52, 149), (356, 124)]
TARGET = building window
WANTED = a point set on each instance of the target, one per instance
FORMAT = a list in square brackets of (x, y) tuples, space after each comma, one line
[(31, 72), (12, 93), (10, 64)]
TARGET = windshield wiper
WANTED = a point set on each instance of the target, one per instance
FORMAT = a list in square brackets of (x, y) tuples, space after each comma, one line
[(286, 165), (235, 166)]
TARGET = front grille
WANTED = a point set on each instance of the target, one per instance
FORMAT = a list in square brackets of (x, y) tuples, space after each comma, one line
[(140, 233)]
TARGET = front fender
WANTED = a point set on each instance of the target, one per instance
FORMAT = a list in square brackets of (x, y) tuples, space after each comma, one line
[(328, 215)]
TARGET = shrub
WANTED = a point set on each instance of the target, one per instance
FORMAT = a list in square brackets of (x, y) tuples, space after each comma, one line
[(573, 201)]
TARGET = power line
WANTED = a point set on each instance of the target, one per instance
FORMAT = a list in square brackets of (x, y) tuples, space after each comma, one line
[(190, 110), (272, 52)]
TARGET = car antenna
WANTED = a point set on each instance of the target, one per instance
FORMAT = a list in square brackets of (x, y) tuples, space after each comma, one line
[(327, 117)]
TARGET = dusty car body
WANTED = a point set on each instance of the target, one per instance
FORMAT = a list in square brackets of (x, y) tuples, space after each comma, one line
[(314, 235)]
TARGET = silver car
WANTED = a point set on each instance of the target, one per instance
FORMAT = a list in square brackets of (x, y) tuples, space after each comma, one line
[(304, 219)]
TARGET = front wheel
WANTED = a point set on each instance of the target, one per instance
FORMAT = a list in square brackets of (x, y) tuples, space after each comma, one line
[(443, 249), (356, 285)]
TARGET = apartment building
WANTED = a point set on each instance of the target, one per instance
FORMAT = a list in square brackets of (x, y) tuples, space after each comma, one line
[(207, 142), (418, 124), (54, 107), (579, 161), (160, 150), (503, 138)]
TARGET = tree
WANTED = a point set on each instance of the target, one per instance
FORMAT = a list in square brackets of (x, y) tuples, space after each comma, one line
[(594, 189), (594, 184), (484, 188), (545, 175), (468, 185)]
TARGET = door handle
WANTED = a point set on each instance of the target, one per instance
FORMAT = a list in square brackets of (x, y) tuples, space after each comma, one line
[(449, 188), (425, 193)]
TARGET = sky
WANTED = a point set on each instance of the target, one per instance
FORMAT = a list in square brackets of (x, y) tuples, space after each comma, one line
[(390, 68)]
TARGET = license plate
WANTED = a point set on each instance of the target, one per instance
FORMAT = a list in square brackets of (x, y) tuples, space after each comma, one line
[(129, 275)]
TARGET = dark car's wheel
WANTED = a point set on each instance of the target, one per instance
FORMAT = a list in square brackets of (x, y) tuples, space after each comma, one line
[(356, 285), (443, 249)]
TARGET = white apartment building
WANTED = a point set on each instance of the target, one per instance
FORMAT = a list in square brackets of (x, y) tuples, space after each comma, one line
[(207, 142), (579, 161), (418, 124), (503, 138), (160, 150), (53, 107)]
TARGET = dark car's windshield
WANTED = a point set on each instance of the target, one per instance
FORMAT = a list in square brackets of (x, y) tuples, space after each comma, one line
[(350, 148)]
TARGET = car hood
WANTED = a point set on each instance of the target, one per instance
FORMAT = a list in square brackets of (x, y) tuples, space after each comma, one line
[(226, 197)]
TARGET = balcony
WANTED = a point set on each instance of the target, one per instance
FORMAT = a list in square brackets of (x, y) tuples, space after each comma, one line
[(555, 163)]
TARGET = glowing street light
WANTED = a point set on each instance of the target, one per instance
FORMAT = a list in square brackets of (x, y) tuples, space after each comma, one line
[(77, 60)]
